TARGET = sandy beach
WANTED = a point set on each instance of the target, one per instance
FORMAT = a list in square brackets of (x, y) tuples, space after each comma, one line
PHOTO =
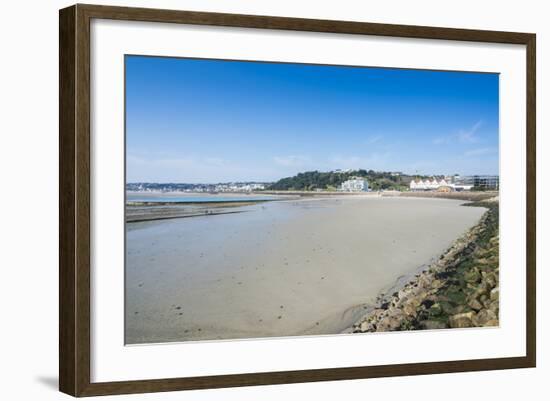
[(296, 267)]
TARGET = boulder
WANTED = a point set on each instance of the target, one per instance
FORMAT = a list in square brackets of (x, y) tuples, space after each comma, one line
[(366, 327), (388, 324), (432, 325), (495, 294), (447, 307), (461, 320), (487, 303), (409, 309), (427, 303), (395, 314), (436, 309), (403, 294), (491, 280), (475, 304), (484, 316), (424, 281), (480, 291), (436, 284)]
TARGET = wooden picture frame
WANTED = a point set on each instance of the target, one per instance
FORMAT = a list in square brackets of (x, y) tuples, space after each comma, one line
[(74, 199)]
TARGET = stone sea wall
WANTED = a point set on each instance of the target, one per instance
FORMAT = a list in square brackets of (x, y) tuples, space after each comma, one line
[(472, 196), (460, 290)]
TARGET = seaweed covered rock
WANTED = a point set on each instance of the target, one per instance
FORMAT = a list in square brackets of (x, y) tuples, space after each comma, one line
[(459, 290)]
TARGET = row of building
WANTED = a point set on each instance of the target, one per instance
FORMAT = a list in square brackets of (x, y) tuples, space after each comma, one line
[(447, 184), (207, 188), (457, 183), (239, 187), (435, 185)]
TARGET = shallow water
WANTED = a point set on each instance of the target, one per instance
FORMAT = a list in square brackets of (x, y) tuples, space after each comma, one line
[(281, 268), (195, 198)]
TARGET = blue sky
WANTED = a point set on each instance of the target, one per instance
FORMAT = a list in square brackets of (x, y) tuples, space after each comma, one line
[(196, 121)]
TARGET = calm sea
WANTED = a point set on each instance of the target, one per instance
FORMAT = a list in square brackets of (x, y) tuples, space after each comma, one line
[(196, 198)]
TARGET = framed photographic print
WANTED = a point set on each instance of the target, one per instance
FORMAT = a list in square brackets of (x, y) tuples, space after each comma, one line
[(250, 200)]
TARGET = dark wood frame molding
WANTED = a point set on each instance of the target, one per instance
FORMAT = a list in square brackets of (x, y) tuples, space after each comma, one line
[(74, 199)]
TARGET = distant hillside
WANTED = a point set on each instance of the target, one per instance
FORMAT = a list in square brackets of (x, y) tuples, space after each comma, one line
[(331, 180)]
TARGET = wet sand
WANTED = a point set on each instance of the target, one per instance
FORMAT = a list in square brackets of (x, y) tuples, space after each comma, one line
[(279, 268), (136, 212), (175, 205)]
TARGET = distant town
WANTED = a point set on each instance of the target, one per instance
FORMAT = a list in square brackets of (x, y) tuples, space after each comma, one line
[(208, 188), (336, 181)]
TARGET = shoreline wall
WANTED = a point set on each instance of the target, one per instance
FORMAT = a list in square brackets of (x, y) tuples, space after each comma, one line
[(460, 290), (472, 196)]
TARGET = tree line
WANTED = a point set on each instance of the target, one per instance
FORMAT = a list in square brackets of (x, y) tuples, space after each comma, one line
[(331, 180)]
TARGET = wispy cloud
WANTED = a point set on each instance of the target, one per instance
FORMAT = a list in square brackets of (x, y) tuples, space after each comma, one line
[(194, 169), (462, 136), (480, 152), (371, 140), (292, 160), (469, 136)]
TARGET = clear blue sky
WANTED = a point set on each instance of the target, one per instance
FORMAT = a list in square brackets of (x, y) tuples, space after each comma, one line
[(216, 121)]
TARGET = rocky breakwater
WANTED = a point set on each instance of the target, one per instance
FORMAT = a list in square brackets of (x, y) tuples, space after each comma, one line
[(460, 290)]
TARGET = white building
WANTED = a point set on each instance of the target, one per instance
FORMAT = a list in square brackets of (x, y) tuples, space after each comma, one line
[(428, 185), (435, 185), (355, 184)]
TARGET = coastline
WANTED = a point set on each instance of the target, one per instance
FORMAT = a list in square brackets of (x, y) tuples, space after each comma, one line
[(154, 206), (459, 290), (138, 211), (470, 196), (151, 210), (285, 268)]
